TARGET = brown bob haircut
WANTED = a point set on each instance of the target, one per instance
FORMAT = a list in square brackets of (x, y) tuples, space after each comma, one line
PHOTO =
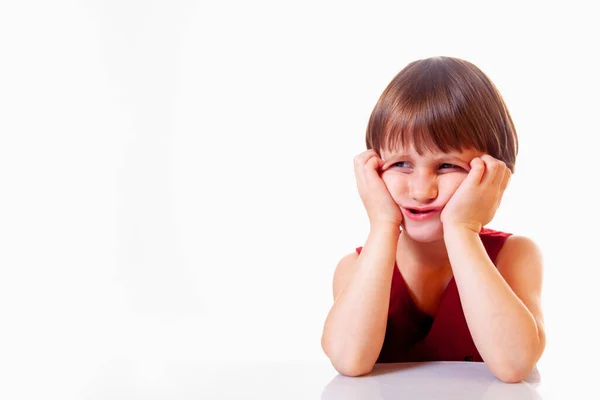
[(445, 104)]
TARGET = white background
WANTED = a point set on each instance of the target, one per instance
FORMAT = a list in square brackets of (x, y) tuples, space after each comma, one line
[(176, 177)]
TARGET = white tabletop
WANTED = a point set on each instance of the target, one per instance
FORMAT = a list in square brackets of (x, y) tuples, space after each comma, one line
[(290, 381), (437, 380)]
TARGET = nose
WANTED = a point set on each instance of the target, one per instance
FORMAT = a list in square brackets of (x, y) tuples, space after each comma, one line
[(423, 187)]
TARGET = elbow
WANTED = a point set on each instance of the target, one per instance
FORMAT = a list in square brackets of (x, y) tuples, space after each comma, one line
[(512, 375), (513, 372), (353, 369), (517, 369), (346, 364)]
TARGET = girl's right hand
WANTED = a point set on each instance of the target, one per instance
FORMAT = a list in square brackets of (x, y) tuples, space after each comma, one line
[(380, 206)]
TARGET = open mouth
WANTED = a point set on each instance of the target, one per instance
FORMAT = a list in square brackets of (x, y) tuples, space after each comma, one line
[(421, 215), (413, 211)]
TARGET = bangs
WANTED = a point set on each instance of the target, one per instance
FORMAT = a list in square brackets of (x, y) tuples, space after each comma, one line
[(433, 125)]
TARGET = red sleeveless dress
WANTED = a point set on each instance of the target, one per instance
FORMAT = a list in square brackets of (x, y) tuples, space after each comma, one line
[(413, 335)]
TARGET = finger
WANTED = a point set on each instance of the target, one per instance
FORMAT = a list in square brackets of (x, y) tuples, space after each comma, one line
[(500, 173), (372, 163), (359, 171), (372, 166), (491, 169), (363, 163), (380, 165), (506, 179), (476, 173), (362, 158)]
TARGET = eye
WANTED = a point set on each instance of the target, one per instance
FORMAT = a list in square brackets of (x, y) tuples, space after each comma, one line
[(448, 166), (401, 164)]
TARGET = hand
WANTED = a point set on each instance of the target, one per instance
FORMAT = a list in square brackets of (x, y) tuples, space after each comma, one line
[(476, 200), (380, 206)]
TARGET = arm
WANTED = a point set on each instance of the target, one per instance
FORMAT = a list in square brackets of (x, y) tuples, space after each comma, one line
[(355, 327), (502, 305)]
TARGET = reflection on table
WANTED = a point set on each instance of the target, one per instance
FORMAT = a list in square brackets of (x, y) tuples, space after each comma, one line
[(433, 380)]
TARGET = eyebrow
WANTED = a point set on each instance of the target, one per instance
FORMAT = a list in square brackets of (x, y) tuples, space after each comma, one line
[(442, 157)]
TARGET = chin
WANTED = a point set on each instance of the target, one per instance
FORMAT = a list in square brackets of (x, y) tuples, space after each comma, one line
[(424, 233)]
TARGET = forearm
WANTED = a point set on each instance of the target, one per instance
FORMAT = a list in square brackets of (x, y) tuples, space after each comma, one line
[(355, 326), (503, 329)]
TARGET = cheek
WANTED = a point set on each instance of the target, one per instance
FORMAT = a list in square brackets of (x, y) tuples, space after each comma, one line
[(396, 185), (450, 185)]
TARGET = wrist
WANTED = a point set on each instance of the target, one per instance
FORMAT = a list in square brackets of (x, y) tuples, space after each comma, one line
[(461, 229), (385, 226)]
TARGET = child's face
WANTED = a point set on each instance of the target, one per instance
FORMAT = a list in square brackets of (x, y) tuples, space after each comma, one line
[(427, 180)]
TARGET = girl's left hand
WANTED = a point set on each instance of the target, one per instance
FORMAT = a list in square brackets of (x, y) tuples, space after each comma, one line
[(476, 200)]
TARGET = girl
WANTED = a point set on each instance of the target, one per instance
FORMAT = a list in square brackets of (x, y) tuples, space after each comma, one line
[(431, 283)]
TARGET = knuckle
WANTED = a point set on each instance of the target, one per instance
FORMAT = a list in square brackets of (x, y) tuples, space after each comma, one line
[(365, 155)]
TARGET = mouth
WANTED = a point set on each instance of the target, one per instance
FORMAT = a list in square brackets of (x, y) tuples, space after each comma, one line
[(421, 210), (420, 213)]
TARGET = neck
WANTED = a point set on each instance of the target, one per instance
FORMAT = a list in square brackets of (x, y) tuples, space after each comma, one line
[(432, 256)]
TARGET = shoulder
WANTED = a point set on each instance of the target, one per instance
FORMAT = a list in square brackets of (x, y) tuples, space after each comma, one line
[(493, 241), (520, 262), (343, 271), (519, 249)]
